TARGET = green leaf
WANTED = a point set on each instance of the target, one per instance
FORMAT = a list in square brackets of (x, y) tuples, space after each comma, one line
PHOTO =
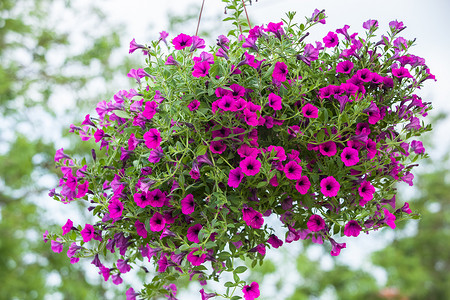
[(240, 269), (122, 114)]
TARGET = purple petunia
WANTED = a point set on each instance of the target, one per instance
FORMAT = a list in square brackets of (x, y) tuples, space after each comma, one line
[(275, 101), (280, 72), (275, 241), (366, 191), (303, 185), (331, 40), (182, 41), (235, 177), (157, 222), (251, 291), (196, 259), (328, 148), (293, 170), (152, 138), (352, 228), (194, 105), (252, 217), (315, 223), (192, 233), (329, 186), (87, 233), (201, 69), (310, 111), (250, 166), (349, 156), (67, 227), (188, 204)]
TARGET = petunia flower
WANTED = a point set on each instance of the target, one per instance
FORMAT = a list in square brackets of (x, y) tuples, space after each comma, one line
[(275, 101), (140, 229), (331, 40), (194, 105), (152, 138), (366, 191), (192, 233), (206, 296), (336, 247), (156, 155), (131, 294), (352, 228), (251, 291), (293, 170), (115, 209), (156, 198), (188, 204), (349, 156), (123, 266), (328, 148), (235, 177), (250, 166), (87, 233), (302, 185), (217, 147), (67, 227), (157, 222), (151, 108), (201, 69), (310, 111), (274, 241), (57, 246), (315, 223), (197, 43), (329, 186), (141, 199), (182, 41), (252, 218), (280, 71), (196, 259), (389, 218)]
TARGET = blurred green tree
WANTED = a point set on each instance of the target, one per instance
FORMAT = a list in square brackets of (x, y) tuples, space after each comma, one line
[(40, 66)]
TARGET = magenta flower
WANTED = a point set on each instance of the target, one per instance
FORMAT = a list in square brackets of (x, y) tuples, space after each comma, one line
[(405, 208), (56, 246), (275, 101), (250, 166), (303, 185), (331, 40), (188, 204), (280, 72), (365, 75), (227, 103), (140, 229), (157, 222), (131, 294), (293, 170), (141, 199), (329, 186), (156, 155), (156, 198), (67, 227), (370, 25), (115, 209), (250, 42), (60, 154), (399, 73), (98, 135), (201, 69), (235, 177), (251, 291), (310, 111), (194, 105), (328, 148), (274, 241), (134, 46), (150, 109), (182, 41), (336, 247), (316, 16), (171, 61), (196, 259), (123, 266), (349, 156), (352, 228), (87, 233), (389, 218), (344, 67), (252, 218), (152, 138), (197, 43), (417, 147), (192, 233), (217, 147), (206, 296), (315, 223), (366, 191)]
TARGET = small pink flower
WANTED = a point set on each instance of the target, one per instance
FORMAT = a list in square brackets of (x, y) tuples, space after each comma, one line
[(275, 101), (217, 147), (293, 170), (67, 227), (352, 228), (280, 72), (328, 148), (152, 138), (310, 111), (350, 156), (157, 222), (196, 259), (250, 166), (201, 69), (192, 233), (235, 177), (275, 241), (303, 185), (87, 233), (344, 67), (389, 218), (182, 41), (194, 105), (252, 217), (331, 40), (329, 186), (251, 291), (315, 223), (366, 191), (188, 204)]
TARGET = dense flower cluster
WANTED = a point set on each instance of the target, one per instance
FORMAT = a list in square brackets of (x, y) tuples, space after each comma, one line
[(213, 142)]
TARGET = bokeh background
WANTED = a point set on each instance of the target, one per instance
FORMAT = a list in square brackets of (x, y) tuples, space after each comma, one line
[(58, 58)]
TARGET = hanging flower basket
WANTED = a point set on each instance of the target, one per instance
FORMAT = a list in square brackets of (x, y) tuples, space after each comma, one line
[(209, 144)]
